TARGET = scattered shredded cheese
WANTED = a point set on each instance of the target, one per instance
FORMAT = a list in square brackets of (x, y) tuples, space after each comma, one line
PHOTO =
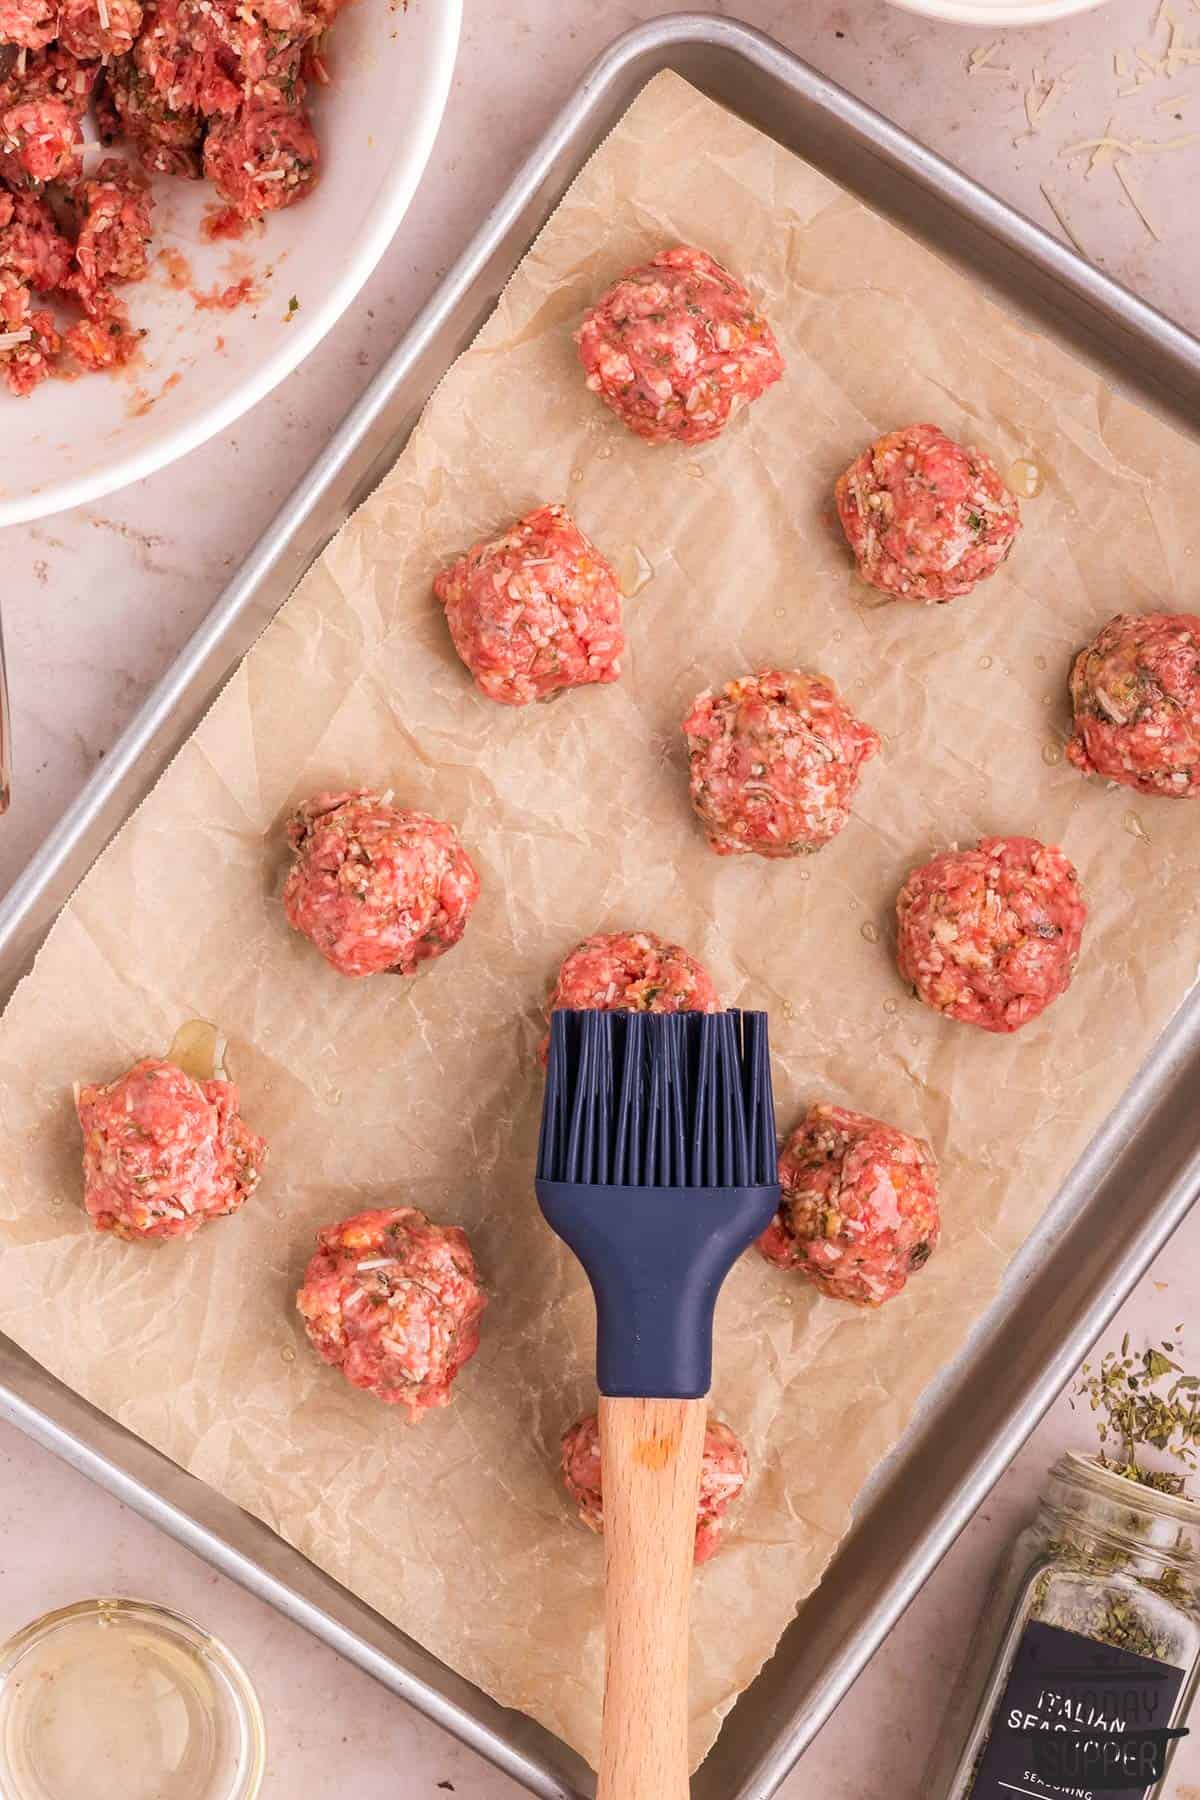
[(1121, 168), (1172, 102), (1045, 93), (1134, 146), (10, 339), (1056, 207), (103, 12), (979, 62)]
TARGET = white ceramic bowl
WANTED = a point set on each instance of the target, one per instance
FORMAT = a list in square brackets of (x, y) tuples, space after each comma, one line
[(71, 441), (997, 15)]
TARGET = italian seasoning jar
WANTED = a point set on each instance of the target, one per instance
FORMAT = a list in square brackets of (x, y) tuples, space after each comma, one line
[(1088, 1653)]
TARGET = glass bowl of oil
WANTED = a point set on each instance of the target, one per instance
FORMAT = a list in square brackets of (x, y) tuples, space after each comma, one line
[(125, 1700)]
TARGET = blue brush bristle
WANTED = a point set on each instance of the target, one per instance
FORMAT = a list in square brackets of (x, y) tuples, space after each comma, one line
[(657, 1165), (658, 1100)]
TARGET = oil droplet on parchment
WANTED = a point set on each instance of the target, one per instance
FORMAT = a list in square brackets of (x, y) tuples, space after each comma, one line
[(985, 662), (1026, 479), (287, 1353), (1039, 662), (853, 904), (780, 612), (198, 1049), (1133, 825), (633, 570), (1051, 754), (695, 471), (789, 1011), (576, 474), (869, 931), (803, 875), (604, 452), (889, 1006)]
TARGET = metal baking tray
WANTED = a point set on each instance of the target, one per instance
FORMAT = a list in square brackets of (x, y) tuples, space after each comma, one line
[(1114, 1213)]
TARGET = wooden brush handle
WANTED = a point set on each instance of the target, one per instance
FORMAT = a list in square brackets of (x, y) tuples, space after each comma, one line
[(650, 1452)]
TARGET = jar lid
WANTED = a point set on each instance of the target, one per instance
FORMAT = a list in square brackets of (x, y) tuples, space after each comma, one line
[(125, 1700)]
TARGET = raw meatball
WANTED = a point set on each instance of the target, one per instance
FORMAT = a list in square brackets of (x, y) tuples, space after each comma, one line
[(859, 1211), (774, 761), (1136, 694), (676, 346), (630, 971), (375, 887), (925, 517), (162, 1154), (263, 158), (534, 611), (991, 935), (723, 1474), (394, 1302), (113, 207)]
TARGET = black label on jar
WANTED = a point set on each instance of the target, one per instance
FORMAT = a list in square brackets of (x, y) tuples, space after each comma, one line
[(1078, 1720)]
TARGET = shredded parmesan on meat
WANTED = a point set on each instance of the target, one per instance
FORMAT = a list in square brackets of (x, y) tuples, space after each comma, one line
[(103, 13), (10, 339)]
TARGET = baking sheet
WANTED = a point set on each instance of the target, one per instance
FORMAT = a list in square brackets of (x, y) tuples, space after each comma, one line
[(576, 812)]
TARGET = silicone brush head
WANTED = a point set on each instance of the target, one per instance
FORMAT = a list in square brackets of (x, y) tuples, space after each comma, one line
[(658, 1165)]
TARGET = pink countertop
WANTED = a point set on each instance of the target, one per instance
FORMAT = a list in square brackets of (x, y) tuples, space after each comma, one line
[(96, 603)]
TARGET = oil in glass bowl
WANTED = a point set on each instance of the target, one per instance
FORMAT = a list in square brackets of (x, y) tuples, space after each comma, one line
[(124, 1700)]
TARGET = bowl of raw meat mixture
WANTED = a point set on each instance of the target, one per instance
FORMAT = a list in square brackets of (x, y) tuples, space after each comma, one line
[(191, 194)]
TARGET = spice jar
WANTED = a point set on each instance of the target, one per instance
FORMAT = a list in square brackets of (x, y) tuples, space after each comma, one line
[(1086, 1660)]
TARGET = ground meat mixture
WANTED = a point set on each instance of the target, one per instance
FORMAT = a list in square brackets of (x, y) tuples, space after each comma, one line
[(630, 971), (98, 29), (991, 935), (774, 761), (263, 158), (859, 1211), (191, 86), (30, 24), (113, 212), (925, 517), (534, 611), (163, 1154), (394, 1302), (39, 142), (724, 1472), (375, 887), (1136, 695), (35, 258), (166, 140), (676, 346)]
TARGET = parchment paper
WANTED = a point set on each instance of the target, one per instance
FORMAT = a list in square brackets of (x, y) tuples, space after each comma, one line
[(427, 1090)]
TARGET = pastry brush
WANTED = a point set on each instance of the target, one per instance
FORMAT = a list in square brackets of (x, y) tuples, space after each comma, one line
[(657, 1164)]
